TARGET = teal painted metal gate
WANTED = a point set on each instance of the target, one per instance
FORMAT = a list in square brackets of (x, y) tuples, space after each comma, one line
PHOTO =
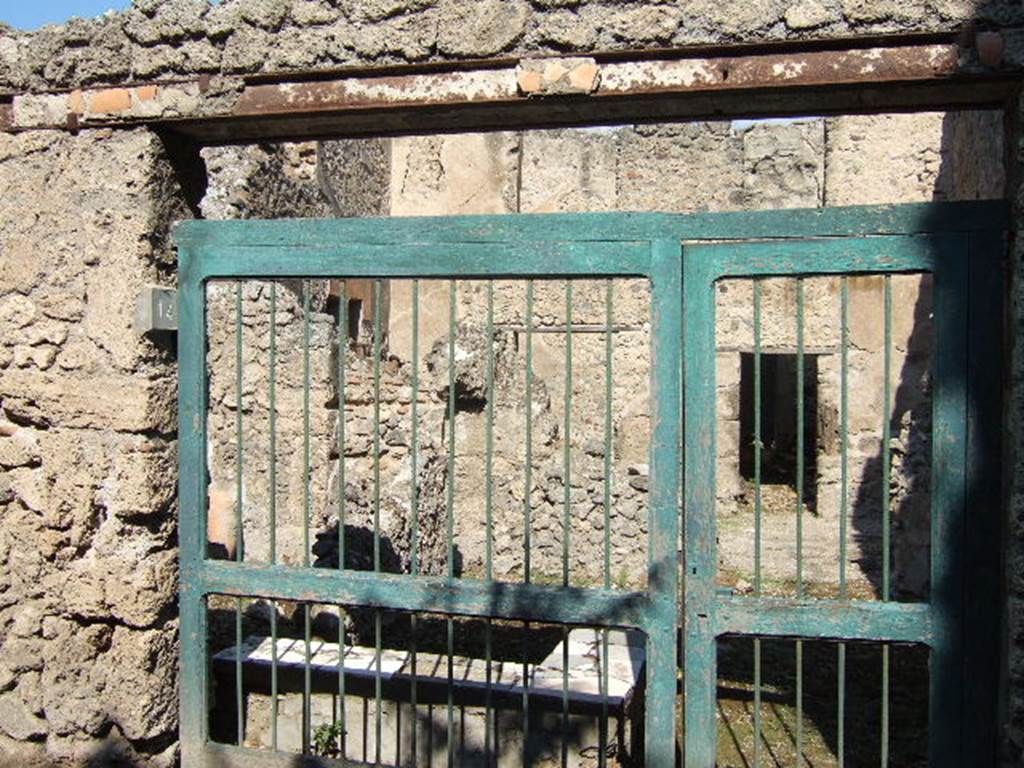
[(938, 623), (683, 258)]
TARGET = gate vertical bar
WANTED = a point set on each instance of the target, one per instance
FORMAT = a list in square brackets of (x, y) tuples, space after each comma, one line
[(239, 554), (192, 499), (800, 469), (609, 309), (566, 513), (415, 507), (527, 510), (307, 698), (377, 710), (342, 333), (663, 565), (450, 512), (489, 744), (699, 512), (844, 415), (272, 418), (949, 453), (982, 569), (342, 363), (886, 504), (757, 514)]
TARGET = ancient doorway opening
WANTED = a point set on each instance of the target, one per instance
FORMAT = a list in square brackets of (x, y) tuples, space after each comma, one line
[(784, 390)]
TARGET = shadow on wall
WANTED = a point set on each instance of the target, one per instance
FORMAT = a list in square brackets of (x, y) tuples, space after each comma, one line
[(113, 752), (963, 175), (359, 551), (112, 755), (912, 488)]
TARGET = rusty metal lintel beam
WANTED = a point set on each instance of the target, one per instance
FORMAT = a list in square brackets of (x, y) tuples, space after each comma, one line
[(502, 84), (557, 112), (695, 51), (915, 75), (503, 94)]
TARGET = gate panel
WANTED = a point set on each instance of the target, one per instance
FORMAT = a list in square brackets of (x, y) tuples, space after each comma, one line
[(711, 614), (248, 582), (959, 245)]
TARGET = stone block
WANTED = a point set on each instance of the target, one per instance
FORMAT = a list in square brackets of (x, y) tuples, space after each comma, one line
[(736, 18), (19, 449), (482, 28), (809, 14), (568, 171), (306, 13), (684, 168), (883, 11), (245, 49), (642, 23), (141, 687), (886, 159), (784, 165), (459, 174), (378, 10), (411, 37), (73, 680), (136, 484), (17, 719), (120, 402), (268, 14), (574, 30)]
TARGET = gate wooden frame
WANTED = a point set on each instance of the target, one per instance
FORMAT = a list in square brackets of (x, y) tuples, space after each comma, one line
[(962, 242)]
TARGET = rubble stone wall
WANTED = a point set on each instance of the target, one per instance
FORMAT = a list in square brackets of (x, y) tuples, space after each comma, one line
[(185, 38), (88, 528)]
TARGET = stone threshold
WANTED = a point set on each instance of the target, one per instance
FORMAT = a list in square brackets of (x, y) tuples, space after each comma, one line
[(544, 681)]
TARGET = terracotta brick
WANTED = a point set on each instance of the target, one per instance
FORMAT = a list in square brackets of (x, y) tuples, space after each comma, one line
[(110, 100), (76, 103), (529, 80), (145, 92), (584, 77), (554, 71)]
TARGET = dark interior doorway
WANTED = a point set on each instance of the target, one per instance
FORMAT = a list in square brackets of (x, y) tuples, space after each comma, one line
[(778, 408)]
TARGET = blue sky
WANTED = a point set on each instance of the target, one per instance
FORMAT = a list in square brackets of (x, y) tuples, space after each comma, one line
[(32, 14)]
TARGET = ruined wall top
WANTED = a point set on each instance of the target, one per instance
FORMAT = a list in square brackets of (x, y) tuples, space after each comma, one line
[(167, 39)]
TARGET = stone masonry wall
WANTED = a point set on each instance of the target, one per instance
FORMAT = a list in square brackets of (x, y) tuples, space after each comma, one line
[(88, 538), (158, 39), (598, 168), (718, 166)]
